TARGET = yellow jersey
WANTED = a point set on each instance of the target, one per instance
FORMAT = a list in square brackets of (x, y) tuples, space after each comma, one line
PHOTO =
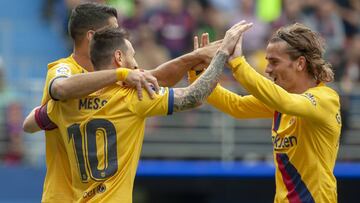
[(305, 132), (57, 184), (103, 134)]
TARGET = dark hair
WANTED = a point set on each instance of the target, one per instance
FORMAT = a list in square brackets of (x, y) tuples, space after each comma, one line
[(104, 44), (302, 41), (89, 16)]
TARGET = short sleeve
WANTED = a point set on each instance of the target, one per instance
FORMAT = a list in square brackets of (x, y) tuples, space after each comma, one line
[(61, 70), (162, 104)]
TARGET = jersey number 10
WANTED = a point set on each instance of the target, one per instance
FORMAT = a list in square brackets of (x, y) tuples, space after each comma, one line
[(86, 149)]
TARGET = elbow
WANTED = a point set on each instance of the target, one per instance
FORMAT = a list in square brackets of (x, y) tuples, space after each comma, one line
[(30, 125), (164, 79), (167, 83), (59, 91), (27, 127)]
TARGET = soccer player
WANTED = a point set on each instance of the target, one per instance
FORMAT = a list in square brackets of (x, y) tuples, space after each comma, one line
[(305, 112), (103, 132), (64, 81)]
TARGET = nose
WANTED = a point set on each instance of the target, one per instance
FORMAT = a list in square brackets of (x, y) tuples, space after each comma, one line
[(268, 69)]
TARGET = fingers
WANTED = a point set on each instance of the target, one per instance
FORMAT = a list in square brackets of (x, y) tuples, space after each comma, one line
[(149, 83), (152, 80), (149, 78), (238, 29), (204, 39), (140, 80), (238, 25), (148, 88), (139, 90), (246, 27), (196, 42), (242, 27), (232, 36)]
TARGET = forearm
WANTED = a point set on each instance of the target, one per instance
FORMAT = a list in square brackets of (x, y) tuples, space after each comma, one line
[(196, 93), (81, 85), (238, 106), (29, 124), (171, 72)]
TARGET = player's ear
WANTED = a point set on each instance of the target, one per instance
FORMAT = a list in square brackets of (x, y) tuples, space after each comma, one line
[(90, 34), (301, 63), (118, 58)]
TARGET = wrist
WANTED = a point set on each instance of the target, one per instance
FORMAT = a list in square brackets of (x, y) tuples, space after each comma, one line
[(199, 54), (122, 73), (235, 63), (223, 50)]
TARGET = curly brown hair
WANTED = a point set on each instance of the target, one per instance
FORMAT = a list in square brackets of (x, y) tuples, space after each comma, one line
[(302, 41)]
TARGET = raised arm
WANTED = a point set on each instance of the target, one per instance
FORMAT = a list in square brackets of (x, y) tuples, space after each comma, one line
[(80, 85), (171, 72), (305, 104), (196, 93), (167, 74)]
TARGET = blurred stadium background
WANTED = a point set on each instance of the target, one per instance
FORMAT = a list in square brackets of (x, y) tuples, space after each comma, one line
[(196, 156)]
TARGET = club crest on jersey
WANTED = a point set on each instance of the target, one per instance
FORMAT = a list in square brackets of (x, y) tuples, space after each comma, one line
[(292, 120), (63, 70), (310, 97)]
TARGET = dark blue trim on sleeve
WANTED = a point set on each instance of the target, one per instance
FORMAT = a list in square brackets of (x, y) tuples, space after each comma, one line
[(171, 101), (51, 83)]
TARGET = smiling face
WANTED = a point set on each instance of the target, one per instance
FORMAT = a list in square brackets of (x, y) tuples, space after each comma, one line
[(280, 67)]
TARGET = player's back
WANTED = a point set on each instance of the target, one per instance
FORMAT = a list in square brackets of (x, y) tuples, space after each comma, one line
[(103, 135)]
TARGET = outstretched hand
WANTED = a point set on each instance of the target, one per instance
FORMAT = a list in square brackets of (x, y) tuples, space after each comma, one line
[(238, 49), (142, 79), (232, 37), (208, 52), (205, 49)]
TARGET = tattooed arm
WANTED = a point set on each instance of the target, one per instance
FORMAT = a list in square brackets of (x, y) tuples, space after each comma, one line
[(195, 94)]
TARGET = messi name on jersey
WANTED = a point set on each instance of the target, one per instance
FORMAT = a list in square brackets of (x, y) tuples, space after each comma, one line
[(91, 103), (283, 142)]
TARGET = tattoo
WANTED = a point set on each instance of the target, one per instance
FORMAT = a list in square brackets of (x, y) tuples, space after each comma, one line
[(195, 94)]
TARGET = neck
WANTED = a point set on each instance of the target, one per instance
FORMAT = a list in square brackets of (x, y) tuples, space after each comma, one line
[(81, 56), (304, 85)]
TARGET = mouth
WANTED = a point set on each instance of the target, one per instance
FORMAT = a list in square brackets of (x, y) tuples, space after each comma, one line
[(272, 78)]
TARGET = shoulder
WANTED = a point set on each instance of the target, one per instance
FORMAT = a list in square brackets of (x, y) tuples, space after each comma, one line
[(324, 91), (65, 66), (325, 94), (60, 62)]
